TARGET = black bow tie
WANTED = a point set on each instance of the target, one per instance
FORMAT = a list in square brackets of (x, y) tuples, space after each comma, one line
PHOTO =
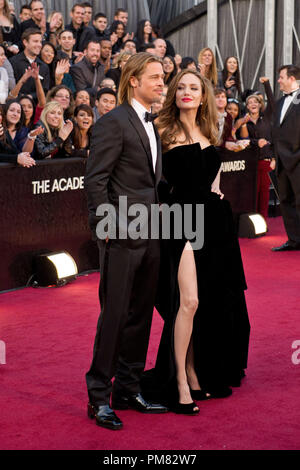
[(149, 117), (290, 94)]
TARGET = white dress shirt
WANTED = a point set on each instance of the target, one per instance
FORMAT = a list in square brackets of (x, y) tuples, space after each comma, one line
[(141, 110), (286, 104)]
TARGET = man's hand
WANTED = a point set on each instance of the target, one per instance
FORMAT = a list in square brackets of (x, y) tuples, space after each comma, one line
[(35, 70), (263, 79), (43, 24), (79, 56)]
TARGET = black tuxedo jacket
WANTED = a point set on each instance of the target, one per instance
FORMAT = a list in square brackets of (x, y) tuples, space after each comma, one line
[(286, 136), (19, 64), (120, 162)]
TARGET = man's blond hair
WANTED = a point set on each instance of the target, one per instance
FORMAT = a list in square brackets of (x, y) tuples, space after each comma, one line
[(134, 67)]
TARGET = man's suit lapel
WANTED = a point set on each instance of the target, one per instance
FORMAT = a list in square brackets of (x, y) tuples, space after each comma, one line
[(138, 126), (288, 111)]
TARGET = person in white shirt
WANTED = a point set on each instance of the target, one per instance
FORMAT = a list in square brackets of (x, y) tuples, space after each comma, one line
[(286, 140)]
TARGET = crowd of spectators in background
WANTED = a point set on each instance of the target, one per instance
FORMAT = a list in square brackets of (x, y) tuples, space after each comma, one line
[(57, 80)]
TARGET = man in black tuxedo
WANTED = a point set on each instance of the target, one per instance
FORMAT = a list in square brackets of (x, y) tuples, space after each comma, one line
[(286, 139), (125, 160), (32, 42)]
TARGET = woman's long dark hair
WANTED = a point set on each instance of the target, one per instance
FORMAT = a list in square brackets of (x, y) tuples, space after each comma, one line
[(31, 122), (77, 137), (169, 123), (168, 79), (22, 118), (236, 74), (53, 64), (114, 27), (140, 32), (187, 61)]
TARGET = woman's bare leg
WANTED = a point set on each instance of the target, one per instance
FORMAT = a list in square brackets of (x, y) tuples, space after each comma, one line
[(187, 281), (190, 368)]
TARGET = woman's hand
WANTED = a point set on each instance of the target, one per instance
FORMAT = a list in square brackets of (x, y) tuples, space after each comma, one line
[(246, 118), (202, 69), (38, 131), (13, 49), (66, 130), (273, 164), (262, 143), (113, 38), (242, 144), (24, 159), (27, 74), (63, 66), (216, 189), (55, 22), (229, 83)]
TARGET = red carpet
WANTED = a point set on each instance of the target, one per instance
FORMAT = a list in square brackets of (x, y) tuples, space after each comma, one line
[(49, 337)]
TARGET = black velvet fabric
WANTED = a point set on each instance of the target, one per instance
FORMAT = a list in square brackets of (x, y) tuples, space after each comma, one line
[(221, 325)]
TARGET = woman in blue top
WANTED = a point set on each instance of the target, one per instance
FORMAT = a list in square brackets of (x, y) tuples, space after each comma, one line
[(15, 128)]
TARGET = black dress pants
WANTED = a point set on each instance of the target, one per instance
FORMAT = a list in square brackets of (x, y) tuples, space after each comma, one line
[(129, 274), (289, 194)]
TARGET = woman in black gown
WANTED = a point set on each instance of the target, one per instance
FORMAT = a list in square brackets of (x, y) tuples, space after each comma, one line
[(204, 344)]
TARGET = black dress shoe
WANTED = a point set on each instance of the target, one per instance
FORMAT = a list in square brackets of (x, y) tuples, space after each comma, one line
[(105, 416), (287, 246), (135, 402)]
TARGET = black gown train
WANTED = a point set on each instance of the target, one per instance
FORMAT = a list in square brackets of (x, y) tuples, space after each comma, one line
[(221, 326)]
